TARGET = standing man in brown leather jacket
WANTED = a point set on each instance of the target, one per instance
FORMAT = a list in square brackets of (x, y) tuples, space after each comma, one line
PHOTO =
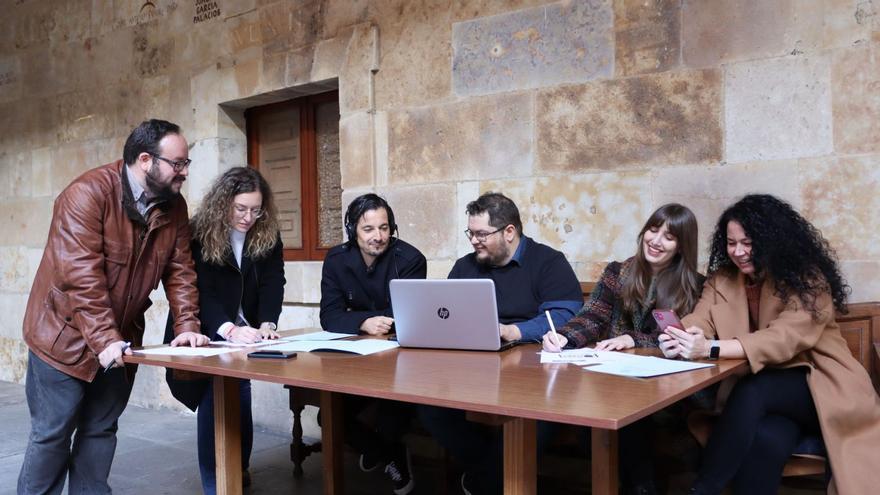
[(116, 232)]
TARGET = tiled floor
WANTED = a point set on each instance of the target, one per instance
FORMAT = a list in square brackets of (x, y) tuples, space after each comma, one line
[(156, 455)]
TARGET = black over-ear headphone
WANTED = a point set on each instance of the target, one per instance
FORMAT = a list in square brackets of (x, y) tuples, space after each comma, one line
[(361, 205)]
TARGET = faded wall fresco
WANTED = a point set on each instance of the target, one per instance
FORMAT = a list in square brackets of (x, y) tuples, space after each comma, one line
[(589, 113)]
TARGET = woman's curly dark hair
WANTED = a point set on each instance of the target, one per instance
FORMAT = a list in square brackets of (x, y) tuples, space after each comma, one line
[(785, 247)]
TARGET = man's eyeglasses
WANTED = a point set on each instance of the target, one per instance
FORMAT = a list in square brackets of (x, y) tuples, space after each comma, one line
[(242, 211), (177, 166), (481, 236)]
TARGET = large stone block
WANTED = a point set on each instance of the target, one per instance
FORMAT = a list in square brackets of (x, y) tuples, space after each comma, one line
[(646, 36), (415, 67), (478, 139), (15, 275), (656, 119), (778, 108), (840, 198), (329, 57), (719, 31), (356, 150), (427, 217), (589, 217), (303, 282), (544, 46), (855, 82), (41, 172)]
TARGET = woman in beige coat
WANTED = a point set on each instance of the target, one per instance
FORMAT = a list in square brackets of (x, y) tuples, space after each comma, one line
[(772, 292)]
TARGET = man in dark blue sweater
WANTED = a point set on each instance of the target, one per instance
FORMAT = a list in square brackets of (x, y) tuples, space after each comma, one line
[(355, 299), (530, 278)]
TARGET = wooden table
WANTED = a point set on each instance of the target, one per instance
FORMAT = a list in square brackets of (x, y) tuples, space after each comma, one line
[(512, 384)]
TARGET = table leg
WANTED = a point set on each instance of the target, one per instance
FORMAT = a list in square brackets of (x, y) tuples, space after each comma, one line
[(227, 435), (332, 428), (520, 445), (605, 462)]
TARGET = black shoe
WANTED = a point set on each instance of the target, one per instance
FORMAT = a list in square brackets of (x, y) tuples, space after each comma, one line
[(400, 472), (368, 463)]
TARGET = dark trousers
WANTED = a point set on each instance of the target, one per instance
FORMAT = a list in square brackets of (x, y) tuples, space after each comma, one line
[(63, 407), (762, 422), (383, 439), (205, 432)]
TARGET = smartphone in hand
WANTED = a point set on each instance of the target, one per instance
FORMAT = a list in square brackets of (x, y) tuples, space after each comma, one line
[(666, 318)]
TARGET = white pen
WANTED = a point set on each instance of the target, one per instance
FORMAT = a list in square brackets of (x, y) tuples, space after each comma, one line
[(552, 328)]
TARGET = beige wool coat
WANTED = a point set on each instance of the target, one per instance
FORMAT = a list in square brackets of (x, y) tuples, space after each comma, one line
[(788, 336)]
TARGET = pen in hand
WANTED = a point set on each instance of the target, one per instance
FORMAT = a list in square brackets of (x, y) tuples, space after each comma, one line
[(552, 328), (125, 345)]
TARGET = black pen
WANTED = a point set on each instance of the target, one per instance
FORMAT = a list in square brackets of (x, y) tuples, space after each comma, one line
[(125, 345)]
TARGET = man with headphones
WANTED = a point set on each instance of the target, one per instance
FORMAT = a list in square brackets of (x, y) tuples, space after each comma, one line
[(355, 299)]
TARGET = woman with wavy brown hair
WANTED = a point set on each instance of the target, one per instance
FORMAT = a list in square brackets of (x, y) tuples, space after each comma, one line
[(238, 256), (662, 274)]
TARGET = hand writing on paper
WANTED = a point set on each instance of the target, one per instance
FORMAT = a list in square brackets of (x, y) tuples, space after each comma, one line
[(553, 342)]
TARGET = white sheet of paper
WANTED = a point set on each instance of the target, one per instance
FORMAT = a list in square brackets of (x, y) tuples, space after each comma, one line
[(322, 335), (186, 351), (567, 356), (226, 343), (645, 367), (362, 347)]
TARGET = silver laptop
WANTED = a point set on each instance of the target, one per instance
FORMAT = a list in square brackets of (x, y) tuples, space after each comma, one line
[(446, 314)]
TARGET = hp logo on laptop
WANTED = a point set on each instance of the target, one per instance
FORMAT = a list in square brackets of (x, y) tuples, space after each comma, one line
[(443, 313)]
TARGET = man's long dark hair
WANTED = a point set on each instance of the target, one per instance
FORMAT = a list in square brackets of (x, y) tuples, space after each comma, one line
[(785, 248)]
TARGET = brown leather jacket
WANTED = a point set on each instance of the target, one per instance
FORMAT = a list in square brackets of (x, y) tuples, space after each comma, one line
[(100, 264)]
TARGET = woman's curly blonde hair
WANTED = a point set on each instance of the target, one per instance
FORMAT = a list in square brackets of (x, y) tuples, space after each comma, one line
[(210, 224)]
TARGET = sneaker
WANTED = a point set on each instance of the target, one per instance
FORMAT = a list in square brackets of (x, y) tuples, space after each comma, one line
[(367, 463), (400, 472)]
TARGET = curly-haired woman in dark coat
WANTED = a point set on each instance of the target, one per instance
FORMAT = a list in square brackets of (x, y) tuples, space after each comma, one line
[(773, 289)]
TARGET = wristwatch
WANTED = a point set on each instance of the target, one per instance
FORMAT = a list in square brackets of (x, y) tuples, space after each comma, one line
[(714, 349), (271, 326)]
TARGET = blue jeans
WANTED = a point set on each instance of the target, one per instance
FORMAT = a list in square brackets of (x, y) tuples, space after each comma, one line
[(62, 407), (205, 426)]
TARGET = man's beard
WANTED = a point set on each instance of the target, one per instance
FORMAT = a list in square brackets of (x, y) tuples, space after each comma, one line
[(496, 258), (160, 191)]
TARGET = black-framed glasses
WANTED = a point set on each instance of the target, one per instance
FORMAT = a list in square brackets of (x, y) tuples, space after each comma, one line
[(176, 165), (242, 211), (481, 236)]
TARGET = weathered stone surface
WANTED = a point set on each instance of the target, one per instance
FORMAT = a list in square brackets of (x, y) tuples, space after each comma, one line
[(329, 57), (864, 278), (481, 138), (463, 10), (15, 174), (718, 31), (441, 268), (855, 80), (840, 198), (778, 108), (10, 78), (544, 46), (339, 15), (354, 75), (156, 97), (299, 65), (356, 150), (152, 51), (465, 193), (589, 217), (14, 272), (708, 190), (656, 119), (303, 283), (211, 157), (646, 36), (416, 51), (13, 359), (25, 221), (41, 172), (426, 217)]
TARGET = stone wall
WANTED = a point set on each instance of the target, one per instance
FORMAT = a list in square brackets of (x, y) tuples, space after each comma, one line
[(589, 113)]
